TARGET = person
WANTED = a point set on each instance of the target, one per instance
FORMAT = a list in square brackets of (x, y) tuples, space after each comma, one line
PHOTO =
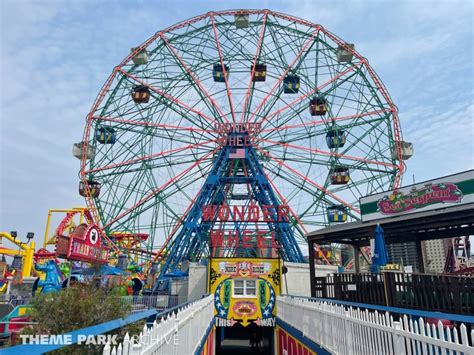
[(254, 341)]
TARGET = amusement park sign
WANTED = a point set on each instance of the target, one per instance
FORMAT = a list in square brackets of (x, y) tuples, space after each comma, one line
[(440, 193)]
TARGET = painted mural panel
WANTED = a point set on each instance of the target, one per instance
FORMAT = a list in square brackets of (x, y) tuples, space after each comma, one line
[(245, 290)]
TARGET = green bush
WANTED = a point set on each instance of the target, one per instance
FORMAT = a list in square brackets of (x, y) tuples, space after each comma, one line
[(77, 307)]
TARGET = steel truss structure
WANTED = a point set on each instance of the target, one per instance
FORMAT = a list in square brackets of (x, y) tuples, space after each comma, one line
[(152, 138)]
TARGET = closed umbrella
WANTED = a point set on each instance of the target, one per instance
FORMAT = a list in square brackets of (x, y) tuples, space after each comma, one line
[(380, 257)]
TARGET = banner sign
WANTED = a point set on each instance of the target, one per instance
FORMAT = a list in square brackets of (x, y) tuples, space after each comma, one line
[(88, 247), (444, 192)]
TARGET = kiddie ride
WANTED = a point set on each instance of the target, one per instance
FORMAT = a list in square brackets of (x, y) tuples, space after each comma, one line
[(78, 255), (90, 256), (15, 278)]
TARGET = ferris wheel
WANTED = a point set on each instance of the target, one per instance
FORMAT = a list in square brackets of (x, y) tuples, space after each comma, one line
[(325, 129)]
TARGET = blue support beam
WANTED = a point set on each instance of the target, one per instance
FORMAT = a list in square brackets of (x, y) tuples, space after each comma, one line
[(192, 240)]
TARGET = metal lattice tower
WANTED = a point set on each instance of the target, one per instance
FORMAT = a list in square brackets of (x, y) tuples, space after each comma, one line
[(192, 241)]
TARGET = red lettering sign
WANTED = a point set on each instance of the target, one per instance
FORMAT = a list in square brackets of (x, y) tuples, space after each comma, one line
[(288, 345), (249, 238), (241, 213)]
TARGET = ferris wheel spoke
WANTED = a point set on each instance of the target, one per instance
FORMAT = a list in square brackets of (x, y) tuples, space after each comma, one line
[(326, 153), (194, 78), (318, 186), (143, 208), (251, 83), (221, 60), (176, 226), (319, 199), (154, 125), (298, 112), (171, 133), (280, 79), (150, 157), (304, 96), (324, 121), (360, 142), (275, 97), (169, 97), (159, 189)]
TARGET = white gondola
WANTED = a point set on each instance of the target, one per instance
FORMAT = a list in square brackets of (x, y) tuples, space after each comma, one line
[(241, 20), (343, 55), (407, 151), (78, 149), (141, 57)]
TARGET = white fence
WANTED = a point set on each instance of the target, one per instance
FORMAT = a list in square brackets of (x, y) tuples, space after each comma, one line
[(159, 302), (343, 330), (179, 333)]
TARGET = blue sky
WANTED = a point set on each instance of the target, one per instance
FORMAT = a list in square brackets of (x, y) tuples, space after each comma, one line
[(55, 56)]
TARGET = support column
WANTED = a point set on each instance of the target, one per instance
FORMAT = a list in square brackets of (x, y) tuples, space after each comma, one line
[(419, 256), (356, 258), (312, 272)]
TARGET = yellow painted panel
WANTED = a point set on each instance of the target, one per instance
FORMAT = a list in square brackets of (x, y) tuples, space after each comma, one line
[(259, 307)]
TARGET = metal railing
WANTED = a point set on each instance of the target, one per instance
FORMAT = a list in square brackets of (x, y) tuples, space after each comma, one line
[(137, 303), (346, 330), (158, 302), (180, 332), (440, 293)]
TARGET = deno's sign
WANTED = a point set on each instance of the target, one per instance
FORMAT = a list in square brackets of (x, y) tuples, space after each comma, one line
[(444, 192)]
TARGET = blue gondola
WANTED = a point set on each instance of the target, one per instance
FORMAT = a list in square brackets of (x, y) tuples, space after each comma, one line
[(337, 214), (105, 135), (218, 73), (335, 138), (291, 84)]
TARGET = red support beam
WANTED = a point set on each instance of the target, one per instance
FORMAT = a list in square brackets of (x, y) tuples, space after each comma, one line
[(168, 96), (257, 55), (194, 77), (149, 157), (280, 79), (159, 189), (322, 152), (305, 178), (221, 59)]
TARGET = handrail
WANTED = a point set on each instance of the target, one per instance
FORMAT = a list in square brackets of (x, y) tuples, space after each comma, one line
[(412, 312)]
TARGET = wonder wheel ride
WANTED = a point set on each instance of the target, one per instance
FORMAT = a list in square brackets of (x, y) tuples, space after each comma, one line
[(322, 126)]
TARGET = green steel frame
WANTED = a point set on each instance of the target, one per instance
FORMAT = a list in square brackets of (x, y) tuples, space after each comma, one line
[(165, 148)]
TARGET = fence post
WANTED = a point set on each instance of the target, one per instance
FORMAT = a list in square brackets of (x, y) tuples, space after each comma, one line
[(389, 287), (348, 333), (106, 350), (324, 287), (398, 340)]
